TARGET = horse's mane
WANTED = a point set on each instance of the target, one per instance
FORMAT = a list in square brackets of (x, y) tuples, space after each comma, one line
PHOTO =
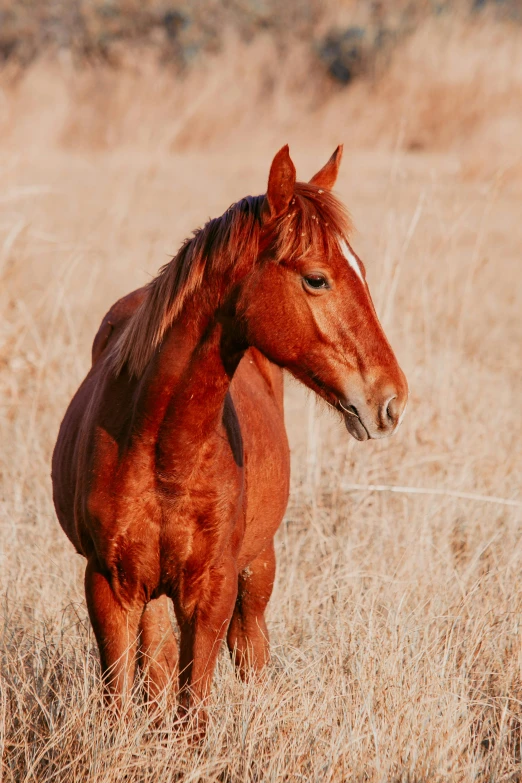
[(315, 219)]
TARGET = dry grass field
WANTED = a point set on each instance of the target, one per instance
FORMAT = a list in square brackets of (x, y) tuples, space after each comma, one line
[(396, 619)]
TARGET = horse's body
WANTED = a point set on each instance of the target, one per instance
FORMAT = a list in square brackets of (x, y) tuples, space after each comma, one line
[(252, 435), (171, 468), (173, 539)]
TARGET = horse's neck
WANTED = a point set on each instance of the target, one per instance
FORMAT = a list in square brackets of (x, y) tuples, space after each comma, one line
[(187, 392)]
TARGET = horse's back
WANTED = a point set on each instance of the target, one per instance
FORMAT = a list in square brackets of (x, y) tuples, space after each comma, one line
[(114, 321)]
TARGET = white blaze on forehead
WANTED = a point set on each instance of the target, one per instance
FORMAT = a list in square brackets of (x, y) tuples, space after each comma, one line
[(352, 261)]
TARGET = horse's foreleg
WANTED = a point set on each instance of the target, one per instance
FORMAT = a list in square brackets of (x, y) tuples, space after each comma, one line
[(248, 635), (204, 607), (116, 630), (159, 649)]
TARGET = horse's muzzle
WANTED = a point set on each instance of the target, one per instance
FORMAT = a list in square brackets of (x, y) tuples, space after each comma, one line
[(370, 421)]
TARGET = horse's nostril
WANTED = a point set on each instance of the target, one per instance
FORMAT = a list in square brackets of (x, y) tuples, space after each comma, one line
[(392, 409)]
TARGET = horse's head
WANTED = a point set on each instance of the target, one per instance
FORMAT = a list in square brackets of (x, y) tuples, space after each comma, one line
[(308, 308)]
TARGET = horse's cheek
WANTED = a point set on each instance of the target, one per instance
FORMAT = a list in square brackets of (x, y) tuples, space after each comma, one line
[(275, 327)]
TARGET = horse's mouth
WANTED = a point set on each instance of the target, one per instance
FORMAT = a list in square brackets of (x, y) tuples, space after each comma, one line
[(353, 422), (352, 419)]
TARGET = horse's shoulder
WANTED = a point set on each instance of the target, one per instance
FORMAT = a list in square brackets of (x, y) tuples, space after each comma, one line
[(118, 314), (271, 374), (257, 382)]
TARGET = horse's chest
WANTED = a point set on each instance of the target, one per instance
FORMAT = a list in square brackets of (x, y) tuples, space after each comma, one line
[(202, 520), (208, 492)]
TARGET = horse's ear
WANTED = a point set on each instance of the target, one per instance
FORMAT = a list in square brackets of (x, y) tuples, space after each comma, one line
[(281, 182), (326, 177)]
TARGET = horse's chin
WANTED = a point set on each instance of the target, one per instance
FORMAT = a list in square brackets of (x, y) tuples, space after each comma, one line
[(356, 428)]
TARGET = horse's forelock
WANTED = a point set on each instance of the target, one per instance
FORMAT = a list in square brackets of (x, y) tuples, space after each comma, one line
[(315, 220)]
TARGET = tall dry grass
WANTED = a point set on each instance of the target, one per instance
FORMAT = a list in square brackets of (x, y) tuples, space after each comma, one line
[(395, 619)]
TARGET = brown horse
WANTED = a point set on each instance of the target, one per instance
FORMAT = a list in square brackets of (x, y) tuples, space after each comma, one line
[(171, 468)]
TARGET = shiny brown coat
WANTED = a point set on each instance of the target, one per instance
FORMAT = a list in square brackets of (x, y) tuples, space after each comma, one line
[(171, 469)]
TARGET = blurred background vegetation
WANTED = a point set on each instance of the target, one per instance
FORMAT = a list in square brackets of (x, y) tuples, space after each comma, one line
[(345, 38)]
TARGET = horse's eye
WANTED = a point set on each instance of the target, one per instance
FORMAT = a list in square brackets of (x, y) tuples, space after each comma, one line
[(316, 282)]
